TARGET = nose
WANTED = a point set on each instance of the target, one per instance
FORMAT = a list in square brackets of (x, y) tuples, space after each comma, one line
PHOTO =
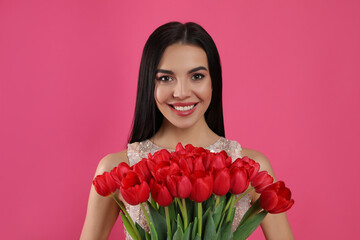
[(182, 89)]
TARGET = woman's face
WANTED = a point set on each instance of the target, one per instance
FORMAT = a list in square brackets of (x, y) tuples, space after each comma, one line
[(183, 85)]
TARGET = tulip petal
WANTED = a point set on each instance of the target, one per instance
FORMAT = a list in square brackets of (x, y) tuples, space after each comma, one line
[(129, 196), (268, 200), (184, 187)]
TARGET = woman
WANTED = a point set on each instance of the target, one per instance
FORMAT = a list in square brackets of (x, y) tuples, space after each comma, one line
[(179, 99)]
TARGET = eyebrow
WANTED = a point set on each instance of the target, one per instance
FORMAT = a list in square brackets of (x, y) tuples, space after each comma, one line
[(171, 72)]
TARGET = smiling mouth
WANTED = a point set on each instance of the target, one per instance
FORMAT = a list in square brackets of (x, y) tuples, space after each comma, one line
[(183, 108)]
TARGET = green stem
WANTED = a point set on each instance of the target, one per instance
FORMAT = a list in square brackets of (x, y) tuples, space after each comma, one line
[(230, 208), (168, 222), (228, 203), (122, 207), (185, 214), (200, 219), (243, 194), (154, 204), (177, 200), (217, 201), (145, 213)]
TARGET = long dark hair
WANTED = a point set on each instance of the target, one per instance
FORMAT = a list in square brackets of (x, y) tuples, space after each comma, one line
[(147, 119)]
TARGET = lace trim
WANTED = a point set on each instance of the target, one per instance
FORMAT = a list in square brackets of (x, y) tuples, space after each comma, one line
[(138, 150)]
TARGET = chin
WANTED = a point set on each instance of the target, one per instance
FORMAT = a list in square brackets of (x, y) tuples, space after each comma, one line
[(183, 124)]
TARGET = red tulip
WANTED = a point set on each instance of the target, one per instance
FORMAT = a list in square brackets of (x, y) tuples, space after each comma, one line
[(179, 185), (199, 152), (142, 170), (218, 162), (161, 172), (239, 180), (158, 169), (162, 155), (198, 164), (189, 148), (261, 181), (119, 172), (208, 160), (160, 193), (254, 169), (250, 165), (276, 198), (104, 184), (134, 189), (221, 182), (179, 147), (187, 165), (202, 186)]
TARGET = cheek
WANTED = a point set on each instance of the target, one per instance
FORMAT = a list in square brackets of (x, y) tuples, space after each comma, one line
[(160, 94), (205, 91)]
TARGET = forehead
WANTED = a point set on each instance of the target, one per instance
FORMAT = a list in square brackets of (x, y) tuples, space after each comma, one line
[(183, 57)]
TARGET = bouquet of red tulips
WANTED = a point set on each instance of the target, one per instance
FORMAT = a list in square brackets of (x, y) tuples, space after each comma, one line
[(193, 192)]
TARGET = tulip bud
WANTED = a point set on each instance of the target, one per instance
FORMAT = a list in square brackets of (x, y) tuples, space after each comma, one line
[(202, 186), (104, 184), (221, 182), (276, 198), (261, 181), (119, 172), (142, 170), (239, 180), (160, 193), (134, 189)]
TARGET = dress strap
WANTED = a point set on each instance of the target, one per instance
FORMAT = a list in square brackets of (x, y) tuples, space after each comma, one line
[(235, 150), (232, 148), (133, 153)]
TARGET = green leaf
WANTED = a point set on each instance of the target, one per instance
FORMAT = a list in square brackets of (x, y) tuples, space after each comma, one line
[(153, 203), (249, 226), (154, 235), (161, 211), (128, 226), (172, 212), (187, 232), (180, 222), (173, 225), (225, 232), (197, 237), (179, 235), (222, 219), (141, 231), (232, 214), (223, 198), (210, 232), (210, 202), (254, 209), (217, 214), (205, 218), (194, 230), (190, 208), (159, 223)]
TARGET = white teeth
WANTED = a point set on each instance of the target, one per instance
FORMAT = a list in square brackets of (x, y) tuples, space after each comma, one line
[(186, 108)]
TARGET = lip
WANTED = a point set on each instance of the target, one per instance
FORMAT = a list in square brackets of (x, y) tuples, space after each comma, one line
[(183, 113), (183, 104)]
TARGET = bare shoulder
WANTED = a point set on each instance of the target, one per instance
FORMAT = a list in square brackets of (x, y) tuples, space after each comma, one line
[(111, 160), (260, 158)]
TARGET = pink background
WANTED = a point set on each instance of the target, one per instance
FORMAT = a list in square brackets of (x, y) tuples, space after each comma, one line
[(68, 72)]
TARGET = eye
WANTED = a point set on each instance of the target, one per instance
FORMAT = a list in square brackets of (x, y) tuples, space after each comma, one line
[(197, 76), (165, 78)]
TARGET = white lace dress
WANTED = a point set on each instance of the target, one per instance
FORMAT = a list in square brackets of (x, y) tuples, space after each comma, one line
[(139, 150)]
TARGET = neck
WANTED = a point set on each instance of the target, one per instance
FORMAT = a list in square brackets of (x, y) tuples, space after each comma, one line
[(199, 135)]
